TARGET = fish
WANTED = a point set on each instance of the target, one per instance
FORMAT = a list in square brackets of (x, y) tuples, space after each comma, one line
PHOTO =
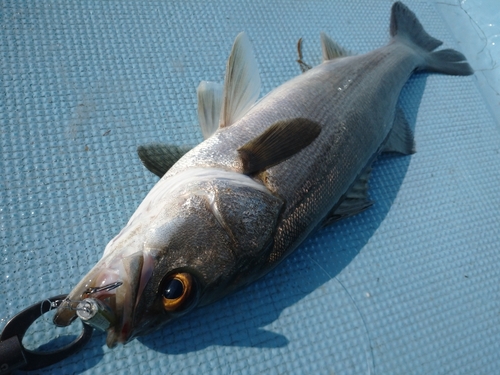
[(268, 173)]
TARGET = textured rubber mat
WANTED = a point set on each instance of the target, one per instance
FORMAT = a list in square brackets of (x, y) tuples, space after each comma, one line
[(410, 286)]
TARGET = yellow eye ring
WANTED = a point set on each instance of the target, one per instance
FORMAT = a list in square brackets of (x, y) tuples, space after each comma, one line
[(177, 291)]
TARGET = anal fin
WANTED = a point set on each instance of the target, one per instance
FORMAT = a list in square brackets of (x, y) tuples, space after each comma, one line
[(354, 201), (400, 138)]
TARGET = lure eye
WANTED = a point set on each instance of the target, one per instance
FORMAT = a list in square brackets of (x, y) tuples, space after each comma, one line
[(177, 292)]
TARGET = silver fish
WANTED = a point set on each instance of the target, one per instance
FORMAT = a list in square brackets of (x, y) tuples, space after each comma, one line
[(268, 174)]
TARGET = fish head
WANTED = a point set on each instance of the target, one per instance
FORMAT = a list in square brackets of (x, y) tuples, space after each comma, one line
[(182, 249)]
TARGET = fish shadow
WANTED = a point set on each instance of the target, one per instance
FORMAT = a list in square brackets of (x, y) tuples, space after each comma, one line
[(239, 319)]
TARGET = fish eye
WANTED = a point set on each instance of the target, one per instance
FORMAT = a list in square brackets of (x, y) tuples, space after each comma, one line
[(178, 292)]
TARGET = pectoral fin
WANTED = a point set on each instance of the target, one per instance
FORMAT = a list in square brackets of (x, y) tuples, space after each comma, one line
[(401, 137), (209, 106), (241, 83), (354, 201), (279, 142), (159, 158)]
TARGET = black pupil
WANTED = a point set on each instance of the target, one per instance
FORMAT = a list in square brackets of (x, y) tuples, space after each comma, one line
[(173, 290)]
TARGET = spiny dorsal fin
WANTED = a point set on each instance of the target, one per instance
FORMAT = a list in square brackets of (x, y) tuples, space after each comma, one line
[(401, 137), (279, 142), (332, 50), (209, 106), (158, 158), (354, 201), (242, 82)]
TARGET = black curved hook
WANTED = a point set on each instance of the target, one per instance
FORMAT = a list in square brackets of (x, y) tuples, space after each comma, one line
[(13, 355)]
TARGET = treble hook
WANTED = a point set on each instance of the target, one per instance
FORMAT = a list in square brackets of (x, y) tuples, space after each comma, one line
[(106, 288)]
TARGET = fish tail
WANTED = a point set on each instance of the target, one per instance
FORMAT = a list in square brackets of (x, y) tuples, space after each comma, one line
[(406, 28)]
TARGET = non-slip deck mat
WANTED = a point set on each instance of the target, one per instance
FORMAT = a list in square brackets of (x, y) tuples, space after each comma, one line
[(411, 286)]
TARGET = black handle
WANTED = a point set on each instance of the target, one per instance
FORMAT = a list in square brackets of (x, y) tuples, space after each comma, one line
[(13, 355)]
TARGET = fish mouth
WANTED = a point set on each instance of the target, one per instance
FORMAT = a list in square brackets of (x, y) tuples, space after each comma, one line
[(128, 277)]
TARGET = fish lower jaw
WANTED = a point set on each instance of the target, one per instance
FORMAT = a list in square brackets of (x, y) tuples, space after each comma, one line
[(117, 336)]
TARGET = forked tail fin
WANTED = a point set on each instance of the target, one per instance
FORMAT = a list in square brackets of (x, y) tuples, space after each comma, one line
[(406, 28)]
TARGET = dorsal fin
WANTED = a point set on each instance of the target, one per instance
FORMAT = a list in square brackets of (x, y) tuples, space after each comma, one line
[(209, 106), (241, 83), (332, 50)]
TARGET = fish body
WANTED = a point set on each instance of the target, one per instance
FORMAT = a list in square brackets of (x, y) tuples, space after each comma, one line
[(354, 100), (236, 205)]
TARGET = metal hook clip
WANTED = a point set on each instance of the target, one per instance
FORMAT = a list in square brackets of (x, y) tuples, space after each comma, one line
[(13, 355)]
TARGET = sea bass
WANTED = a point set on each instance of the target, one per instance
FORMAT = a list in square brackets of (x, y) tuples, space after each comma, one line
[(268, 173)]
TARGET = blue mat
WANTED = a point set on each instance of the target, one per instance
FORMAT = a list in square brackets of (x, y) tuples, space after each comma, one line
[(410, 286)]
